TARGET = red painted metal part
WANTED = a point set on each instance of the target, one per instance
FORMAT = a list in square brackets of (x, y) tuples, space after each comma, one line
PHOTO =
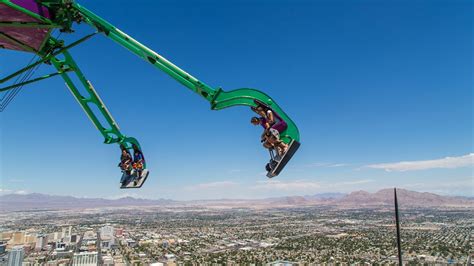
[(33, 37)]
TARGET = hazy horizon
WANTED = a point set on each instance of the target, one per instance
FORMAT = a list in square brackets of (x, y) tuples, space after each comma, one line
[(137, 196)]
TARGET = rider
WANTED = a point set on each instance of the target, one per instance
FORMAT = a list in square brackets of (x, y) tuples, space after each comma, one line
[(138, 160), (264, 123), (276, 125), (125, 161)]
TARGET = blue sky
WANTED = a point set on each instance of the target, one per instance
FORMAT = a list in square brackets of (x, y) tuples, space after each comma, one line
[(381, 92)]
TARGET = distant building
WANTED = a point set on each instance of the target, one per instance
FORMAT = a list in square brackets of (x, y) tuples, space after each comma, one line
[(107, 237), (66, 232), (50, 237), (60, 245), (119, 232), (15, 256), (74, 239), (3, 248), (5, 235), (56, 236), (107, 243), (30, 239), (62, 253), (131, 243), (4, 259), (170, 256), (41, 242), (281, 263), (107, 231), (107, 260), (85, 259), (18, 238), (89, 236)]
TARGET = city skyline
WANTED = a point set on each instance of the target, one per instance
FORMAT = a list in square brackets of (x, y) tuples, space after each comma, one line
[(239, 235)]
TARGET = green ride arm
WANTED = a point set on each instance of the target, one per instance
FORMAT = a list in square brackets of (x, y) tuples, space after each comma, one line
[(146, 53), (218, 98), (111, 130), (247, 97)]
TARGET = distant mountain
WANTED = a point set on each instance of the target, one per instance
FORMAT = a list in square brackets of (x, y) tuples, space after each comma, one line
[(406, 198), (37, 201), (326, 196), (357, 199), (294, 201), (384, 197)]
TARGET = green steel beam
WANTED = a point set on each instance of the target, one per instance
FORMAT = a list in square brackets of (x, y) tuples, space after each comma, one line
[(31, 81), (146, 53), (247, 97), (111, 134), (110, 130), (46, 56), (219, 99)]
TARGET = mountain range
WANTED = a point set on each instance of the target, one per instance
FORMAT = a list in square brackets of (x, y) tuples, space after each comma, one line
[(384, 197)]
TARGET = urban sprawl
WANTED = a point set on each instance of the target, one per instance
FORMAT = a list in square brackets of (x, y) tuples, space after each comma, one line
[(198, 235)]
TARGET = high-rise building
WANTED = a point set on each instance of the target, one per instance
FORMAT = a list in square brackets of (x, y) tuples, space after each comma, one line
[(41, 242), (63, 232), (15, 256), (85, 259), (107, 237), (57, 236)]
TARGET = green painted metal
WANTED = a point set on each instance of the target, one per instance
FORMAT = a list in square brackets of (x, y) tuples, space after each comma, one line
[(110, 130), (247, 97), (46, 54), (218, 98), (31, 81), (145, 53)]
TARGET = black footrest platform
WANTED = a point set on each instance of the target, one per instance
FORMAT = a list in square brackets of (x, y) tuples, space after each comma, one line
[(132, 181), (280, 164)]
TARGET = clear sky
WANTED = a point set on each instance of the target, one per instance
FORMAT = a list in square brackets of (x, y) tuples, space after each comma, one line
[(381, 92)]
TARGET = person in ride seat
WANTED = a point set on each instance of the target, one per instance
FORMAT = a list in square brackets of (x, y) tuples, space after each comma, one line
[(125, 161), (273, 125), (263, 122), (138, 160)]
